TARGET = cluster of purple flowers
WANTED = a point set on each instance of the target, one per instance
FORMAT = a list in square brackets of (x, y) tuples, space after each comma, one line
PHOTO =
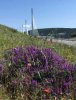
[(32, 68)]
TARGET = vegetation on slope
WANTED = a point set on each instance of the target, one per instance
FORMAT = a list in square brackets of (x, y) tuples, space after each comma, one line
[(11, 38), (34, 72), (69, 32)]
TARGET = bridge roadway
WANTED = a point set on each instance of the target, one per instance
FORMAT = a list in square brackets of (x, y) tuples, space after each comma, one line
[(69, 42)]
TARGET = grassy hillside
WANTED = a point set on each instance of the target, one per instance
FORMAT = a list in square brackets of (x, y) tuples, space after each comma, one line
[(10, 38)]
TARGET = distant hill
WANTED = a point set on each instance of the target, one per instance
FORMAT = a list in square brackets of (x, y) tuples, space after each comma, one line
[(56, 32)]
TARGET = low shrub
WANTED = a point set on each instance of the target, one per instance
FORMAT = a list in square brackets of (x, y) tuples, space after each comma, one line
[(32, 73)]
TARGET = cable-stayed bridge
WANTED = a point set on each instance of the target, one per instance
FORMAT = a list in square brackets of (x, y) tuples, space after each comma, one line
[(34, 30)]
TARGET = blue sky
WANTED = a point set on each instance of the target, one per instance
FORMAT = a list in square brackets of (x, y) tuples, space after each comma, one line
[(47, 13)]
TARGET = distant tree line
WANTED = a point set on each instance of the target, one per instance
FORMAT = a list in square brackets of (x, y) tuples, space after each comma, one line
[(68, 32)]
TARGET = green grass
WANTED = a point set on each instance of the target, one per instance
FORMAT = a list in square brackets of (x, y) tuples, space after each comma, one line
[(3, 95)]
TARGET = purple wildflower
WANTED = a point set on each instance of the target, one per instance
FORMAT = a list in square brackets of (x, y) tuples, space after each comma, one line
[(34, 82)]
